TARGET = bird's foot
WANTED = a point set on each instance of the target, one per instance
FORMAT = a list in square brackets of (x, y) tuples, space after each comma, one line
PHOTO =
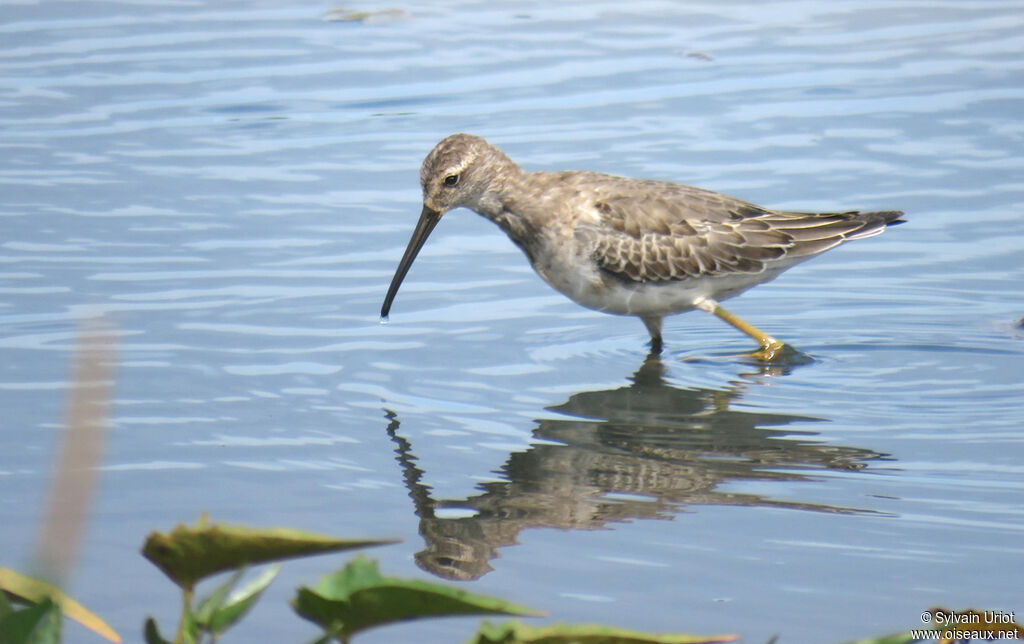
[(772, 350), (781, 355)]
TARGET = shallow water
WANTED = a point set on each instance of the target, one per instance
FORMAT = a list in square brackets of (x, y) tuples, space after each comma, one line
[(232, 185)]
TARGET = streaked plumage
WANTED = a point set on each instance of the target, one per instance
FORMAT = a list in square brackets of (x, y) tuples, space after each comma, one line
[(628, 246)]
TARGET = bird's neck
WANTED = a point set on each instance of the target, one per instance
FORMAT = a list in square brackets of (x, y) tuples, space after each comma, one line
[(498, 204)]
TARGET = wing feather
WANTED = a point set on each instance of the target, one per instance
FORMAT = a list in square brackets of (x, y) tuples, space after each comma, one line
[(660, 232)]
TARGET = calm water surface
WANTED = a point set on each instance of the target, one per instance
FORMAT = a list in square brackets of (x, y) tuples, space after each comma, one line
[(232, 184)]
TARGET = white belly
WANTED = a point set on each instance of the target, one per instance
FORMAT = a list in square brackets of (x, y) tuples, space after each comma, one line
[(584, 284)]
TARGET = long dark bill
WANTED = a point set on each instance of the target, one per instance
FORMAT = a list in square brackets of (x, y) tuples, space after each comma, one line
[(428, 219)]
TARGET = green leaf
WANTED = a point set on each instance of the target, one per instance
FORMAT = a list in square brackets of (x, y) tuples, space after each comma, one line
[(5, 605), (37, 624), (517, 633), (358, 597), (215, 600), (152, 633), (240, 601), (189, 554), (37, 591), (188, 630)]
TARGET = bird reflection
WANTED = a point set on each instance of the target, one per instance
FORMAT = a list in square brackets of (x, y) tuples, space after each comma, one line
[(643, 451)]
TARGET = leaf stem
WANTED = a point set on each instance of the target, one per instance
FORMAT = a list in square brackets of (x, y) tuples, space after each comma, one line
[(187, 594)]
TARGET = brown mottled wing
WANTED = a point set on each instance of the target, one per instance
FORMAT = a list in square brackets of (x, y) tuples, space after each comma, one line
[(663, 232)]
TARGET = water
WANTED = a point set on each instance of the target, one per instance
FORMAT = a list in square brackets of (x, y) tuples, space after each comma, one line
[(232, 185)]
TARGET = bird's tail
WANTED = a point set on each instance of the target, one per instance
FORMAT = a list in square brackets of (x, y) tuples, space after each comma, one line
[(814, 233), (874, 222)]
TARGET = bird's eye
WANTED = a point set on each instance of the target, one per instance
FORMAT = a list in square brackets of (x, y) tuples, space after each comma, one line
[(451, 180)]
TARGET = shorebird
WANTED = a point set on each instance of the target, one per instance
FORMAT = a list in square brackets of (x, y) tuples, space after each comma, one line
[(628, 246)]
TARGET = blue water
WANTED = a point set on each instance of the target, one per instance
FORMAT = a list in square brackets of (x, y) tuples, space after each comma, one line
[(231, 185)]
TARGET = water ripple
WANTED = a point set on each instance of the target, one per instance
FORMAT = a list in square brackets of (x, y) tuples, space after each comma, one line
[(233, 186)]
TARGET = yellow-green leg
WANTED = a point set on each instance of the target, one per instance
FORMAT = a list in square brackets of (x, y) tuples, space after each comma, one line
[(770, 347)]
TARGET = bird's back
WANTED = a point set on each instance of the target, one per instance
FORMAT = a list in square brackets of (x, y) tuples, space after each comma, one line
[(649, 231)]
